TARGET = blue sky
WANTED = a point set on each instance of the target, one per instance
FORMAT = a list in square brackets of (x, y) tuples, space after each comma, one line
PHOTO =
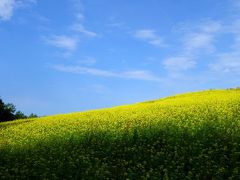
[(74, 55)]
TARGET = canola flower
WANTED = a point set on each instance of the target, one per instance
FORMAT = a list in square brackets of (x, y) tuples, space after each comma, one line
[(188, 136)]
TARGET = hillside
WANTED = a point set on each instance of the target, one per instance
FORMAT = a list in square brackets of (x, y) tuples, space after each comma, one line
[(188, 136)]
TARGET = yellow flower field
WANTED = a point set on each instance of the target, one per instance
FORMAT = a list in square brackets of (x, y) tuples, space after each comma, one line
[(188, 136)]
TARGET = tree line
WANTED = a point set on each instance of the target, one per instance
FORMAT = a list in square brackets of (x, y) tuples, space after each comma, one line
[(8, 112)]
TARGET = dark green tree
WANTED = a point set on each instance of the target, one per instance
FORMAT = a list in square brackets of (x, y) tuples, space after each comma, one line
[(20, 115), (32, 116), (8, 112)]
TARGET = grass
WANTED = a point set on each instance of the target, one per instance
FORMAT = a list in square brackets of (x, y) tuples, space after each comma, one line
[(188, 136)]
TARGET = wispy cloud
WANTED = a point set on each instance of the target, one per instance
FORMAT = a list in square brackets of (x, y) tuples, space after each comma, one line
[(204, 41), (78, 27), (79, 16), (234, 29), (68, 43), (149, 36), (7, 7), (179, 63), (201, 37), (84, 70), (227, 63), (117, 24), (137, 74), (197, 40)]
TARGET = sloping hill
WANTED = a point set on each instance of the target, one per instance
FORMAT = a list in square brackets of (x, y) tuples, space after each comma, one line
[(188, 136)]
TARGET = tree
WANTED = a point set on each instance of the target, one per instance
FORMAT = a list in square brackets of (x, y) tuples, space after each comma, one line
[(8, 112), (20, 115), (32, 115), (1, 109)]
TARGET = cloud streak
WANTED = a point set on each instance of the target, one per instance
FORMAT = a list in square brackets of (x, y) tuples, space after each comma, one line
[(67, 43), (78, 26), (81, 29), (137, 74), (149, 36), (178, 63)]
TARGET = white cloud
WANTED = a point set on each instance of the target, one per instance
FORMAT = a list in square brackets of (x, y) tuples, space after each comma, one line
[(201, 37), (64, 42), (234, 29), (6, 9), (84, 70), (150, 36), (81, 29), (69, 43), (117, 24), (179, 63), (80, 16), (227, 63), (197, 40), (210, 26), (79, 21), (139, 74), (78, 6)]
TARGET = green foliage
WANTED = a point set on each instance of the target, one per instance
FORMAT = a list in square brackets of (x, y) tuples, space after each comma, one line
[(20, 115), (32, 115), (189, 136), (8, 112)]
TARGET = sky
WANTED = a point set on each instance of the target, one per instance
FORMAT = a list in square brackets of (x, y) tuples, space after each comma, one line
[(75, 55)]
